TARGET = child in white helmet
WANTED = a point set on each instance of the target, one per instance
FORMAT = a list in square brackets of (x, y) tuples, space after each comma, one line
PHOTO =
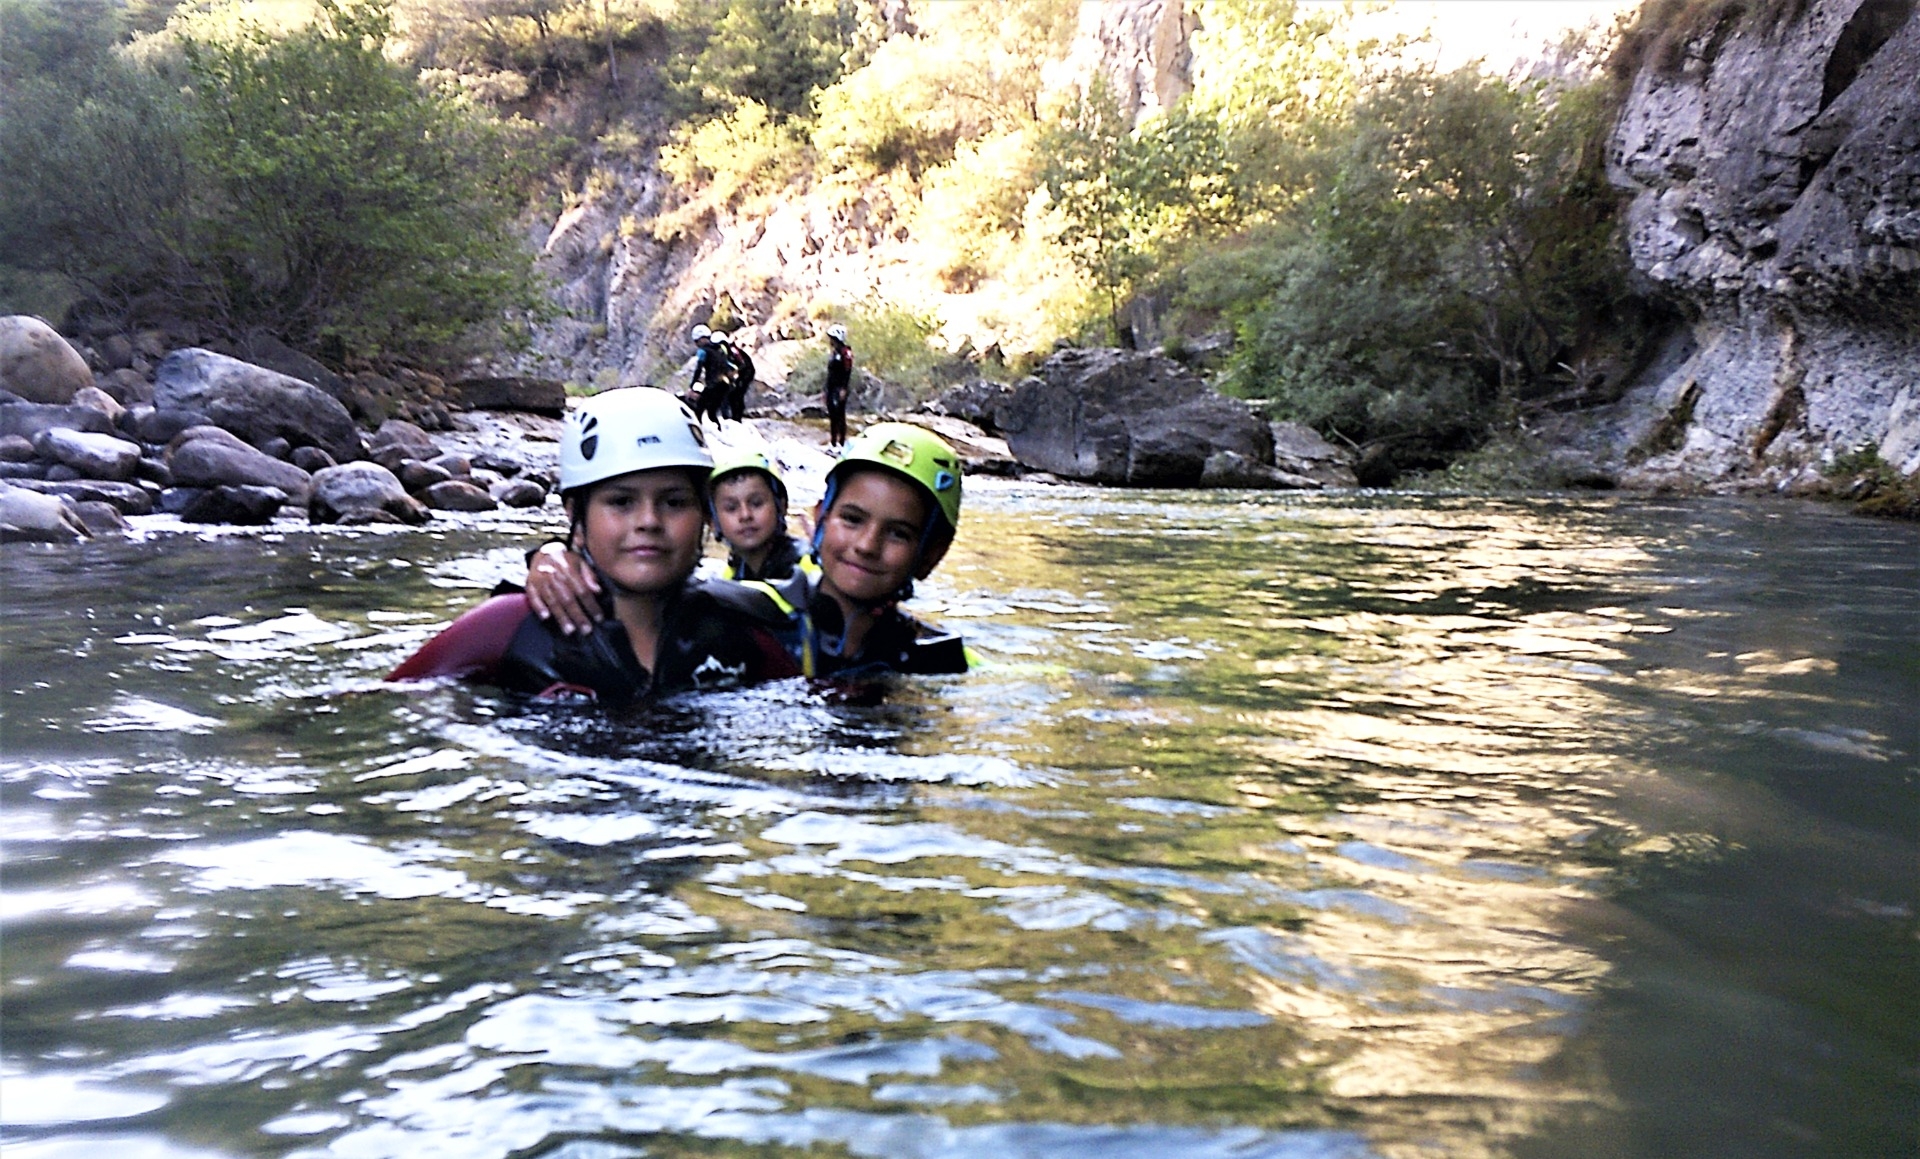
[(633, 476), (888, 517)]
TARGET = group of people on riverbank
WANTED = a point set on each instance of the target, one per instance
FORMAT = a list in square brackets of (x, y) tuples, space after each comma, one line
[(723, 372), (615, 614)]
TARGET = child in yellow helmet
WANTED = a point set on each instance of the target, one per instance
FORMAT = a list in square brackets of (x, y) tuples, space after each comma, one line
[(750, 517)]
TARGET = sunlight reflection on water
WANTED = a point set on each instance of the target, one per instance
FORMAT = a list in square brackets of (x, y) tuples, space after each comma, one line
[(1273, 826)]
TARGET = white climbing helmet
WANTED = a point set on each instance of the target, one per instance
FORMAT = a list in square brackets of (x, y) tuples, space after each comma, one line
[(837, 332), (638, 428), (702, 333)]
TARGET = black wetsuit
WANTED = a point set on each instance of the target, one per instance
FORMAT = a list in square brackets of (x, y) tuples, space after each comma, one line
[(839, 385), (781, 561), (706, 641), (813, 626), (743, 372), (716, 368)]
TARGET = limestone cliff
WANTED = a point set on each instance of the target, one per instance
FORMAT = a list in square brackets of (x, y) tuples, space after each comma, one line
[(1772, 152)]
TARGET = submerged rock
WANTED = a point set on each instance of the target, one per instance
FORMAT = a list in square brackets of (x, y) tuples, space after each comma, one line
[(244, 504), (33, 517)]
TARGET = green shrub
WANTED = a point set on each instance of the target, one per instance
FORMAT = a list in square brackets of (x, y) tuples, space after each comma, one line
[(1456, 249), (301, 183)]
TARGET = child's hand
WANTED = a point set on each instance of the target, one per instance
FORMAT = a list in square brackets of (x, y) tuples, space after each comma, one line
[(562, 588)]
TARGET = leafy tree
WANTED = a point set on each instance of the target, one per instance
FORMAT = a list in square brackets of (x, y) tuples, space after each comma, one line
[(97, 190), (1456, 249), (1101, 182), (352, 207), (775, 53)]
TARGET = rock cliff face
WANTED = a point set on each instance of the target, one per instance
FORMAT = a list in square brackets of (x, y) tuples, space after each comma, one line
[(629, 298), (1774, 163)]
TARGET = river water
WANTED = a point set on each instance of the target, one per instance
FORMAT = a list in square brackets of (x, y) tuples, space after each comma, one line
[(1274, 825)]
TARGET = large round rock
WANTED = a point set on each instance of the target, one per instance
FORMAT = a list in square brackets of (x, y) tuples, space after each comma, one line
[(37, 364), (255, 403), (362, 493), (1124, 418), (211, 457)]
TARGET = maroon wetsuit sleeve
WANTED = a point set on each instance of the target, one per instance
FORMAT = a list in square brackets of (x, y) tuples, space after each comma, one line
[(472, 645)]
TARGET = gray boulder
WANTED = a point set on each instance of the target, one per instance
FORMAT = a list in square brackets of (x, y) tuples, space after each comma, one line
[(201, 457), (869, 394), (518, 493), (33, 517), (979, 402), (399, 441), (362, 493), (95, 456), (160, 427), (416, 476), (1232, 469), (1125, 418), (101, 518), (126, 498), (537, 395), (29, 419), (1298, 449), (245, 504), (456, 495), (15, 449), (97, 399), (37, 364), (255, 403)]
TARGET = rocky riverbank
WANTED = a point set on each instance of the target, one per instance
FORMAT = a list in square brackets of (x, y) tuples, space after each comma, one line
[(92, 434)]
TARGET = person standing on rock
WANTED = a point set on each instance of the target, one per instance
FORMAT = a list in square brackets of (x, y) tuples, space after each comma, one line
[(712, 365), (839, 384)]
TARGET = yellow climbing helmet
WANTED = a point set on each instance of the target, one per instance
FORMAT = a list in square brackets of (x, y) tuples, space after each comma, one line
[(915, 452), (729, 462)]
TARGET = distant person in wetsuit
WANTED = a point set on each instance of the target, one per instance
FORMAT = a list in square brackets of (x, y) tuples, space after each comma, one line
[(750, 516), (743, 372), (711, 365), (839, 384), (633, 475), (888, 517)]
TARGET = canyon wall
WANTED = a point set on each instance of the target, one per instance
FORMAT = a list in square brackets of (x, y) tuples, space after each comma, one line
[(1774, 170)]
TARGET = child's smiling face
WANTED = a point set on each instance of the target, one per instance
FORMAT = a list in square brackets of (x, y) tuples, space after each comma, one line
[(746, 512), (870, 537), (643, 529)]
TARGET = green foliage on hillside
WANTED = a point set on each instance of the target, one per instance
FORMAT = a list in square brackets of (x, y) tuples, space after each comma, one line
[(300, 183), (1455, 250)]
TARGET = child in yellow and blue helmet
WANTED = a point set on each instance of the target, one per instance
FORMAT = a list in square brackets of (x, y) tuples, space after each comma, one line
[(749, 501), (890, 512)]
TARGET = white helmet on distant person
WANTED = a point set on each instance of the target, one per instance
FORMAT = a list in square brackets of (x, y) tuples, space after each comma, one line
[(837, 332), (702, 332), (637, 428)]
